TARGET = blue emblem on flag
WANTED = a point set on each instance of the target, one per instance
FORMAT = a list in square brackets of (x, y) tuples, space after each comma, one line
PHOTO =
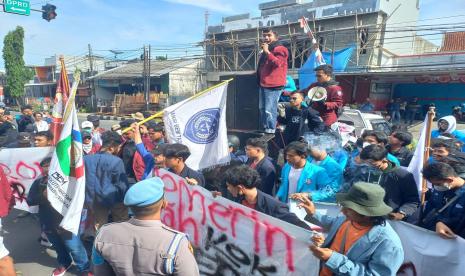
[(202, 128)]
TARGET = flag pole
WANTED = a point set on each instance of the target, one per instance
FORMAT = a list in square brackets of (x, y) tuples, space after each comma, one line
[(426, 153), (190, 98)]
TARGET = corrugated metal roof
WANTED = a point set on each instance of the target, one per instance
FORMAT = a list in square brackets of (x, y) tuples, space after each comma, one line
[(134, 70), (453, 42)]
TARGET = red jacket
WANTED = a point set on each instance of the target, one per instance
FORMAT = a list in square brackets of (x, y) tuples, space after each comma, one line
[(328, 109), (272, 68), (138, 164)]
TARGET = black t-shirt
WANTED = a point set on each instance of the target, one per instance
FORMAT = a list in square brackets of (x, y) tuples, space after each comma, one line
[(300, 121)]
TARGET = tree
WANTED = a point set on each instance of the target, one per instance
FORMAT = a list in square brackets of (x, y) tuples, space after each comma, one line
[(161, 57), (16, 73)]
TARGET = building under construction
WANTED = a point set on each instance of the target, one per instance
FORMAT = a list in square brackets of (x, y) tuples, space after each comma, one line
[(234, 46)]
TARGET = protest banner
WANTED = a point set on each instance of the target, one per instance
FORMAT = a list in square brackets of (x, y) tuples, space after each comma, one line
[(231, 239), (200, 124), (21, 167), (428, 254)]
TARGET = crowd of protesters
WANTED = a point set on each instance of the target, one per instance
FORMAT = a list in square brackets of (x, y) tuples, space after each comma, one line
[(366, 176)]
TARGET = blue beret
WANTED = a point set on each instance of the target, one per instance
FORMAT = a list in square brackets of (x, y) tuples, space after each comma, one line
[(145, 192)]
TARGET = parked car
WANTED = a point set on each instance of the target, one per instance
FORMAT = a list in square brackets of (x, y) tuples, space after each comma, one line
[(362, 121)]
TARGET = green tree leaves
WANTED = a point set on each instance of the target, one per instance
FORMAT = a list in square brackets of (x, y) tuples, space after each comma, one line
[(16, 72)]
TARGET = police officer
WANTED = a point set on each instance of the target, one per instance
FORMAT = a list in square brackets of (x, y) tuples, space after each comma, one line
[(143, 245)]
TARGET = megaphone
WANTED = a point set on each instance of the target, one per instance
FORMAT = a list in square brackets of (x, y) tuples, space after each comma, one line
[(317, 93)]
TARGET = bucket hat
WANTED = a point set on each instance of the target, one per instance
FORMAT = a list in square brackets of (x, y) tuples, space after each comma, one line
[(366, 199)]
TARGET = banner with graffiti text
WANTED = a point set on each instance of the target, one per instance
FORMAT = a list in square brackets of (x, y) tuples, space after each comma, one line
[(21, 167), (231, 239)]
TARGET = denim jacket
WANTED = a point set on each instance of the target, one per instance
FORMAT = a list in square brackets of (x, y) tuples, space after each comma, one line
[(379, 252)]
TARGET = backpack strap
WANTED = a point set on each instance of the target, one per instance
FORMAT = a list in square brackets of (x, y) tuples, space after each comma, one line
[(171, 253)]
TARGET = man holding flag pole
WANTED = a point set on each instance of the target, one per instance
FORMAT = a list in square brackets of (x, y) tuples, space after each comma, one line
[(66, 184), (421, 155), (199, 122)]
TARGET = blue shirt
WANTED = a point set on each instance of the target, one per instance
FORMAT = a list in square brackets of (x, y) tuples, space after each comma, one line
[(453, 215), (367, 107), (313, 179), (332, 168)]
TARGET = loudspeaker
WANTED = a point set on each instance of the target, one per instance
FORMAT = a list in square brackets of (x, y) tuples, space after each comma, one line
[(242, 111)]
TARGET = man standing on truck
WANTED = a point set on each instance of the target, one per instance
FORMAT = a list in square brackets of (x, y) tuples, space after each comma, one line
[(331, 107), (271, 74)]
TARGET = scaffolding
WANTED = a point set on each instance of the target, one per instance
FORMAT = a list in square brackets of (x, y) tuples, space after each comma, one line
[(240, 50)]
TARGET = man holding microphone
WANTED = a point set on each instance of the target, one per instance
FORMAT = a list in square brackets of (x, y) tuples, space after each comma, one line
[(271, 74)]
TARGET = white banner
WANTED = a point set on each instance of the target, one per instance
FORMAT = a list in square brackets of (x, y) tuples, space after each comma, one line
[(231, 239), (200, 124), (427, 254), (21, 167)]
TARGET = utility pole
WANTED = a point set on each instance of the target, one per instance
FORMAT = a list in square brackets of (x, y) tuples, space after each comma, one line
[(147, 88), (93, 99), (144, 70), (207, 14), (333, 50), (146, 75)]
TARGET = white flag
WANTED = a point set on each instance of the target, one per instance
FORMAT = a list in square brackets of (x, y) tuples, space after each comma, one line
[(200, 124), (417, 162), (66, 181)]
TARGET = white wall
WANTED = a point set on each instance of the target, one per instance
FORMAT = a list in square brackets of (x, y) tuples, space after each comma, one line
[(185, 82), (405, 16), (251, 22)]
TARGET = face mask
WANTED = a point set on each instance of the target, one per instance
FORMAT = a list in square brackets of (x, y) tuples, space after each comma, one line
[(442, 188), (365, 144)]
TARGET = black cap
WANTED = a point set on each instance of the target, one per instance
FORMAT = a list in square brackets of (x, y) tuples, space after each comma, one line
[(157, 128), (127, 123), (24, 138), (159, 149), (93, 118)]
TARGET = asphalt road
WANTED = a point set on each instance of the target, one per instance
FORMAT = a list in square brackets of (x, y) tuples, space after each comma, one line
[(20, 236), (106, 124)]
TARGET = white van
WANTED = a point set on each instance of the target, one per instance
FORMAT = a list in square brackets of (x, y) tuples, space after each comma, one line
[(362, 121)]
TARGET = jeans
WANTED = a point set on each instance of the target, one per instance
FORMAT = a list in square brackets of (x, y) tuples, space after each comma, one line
[(395, 116), (410, 116), (69, 248), (268, 106)]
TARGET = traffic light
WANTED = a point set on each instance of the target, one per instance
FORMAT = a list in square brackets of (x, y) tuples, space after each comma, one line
[(48, 12)]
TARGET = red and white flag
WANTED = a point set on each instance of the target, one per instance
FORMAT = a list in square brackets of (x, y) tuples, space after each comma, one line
[(304, 25), (61, 98)]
